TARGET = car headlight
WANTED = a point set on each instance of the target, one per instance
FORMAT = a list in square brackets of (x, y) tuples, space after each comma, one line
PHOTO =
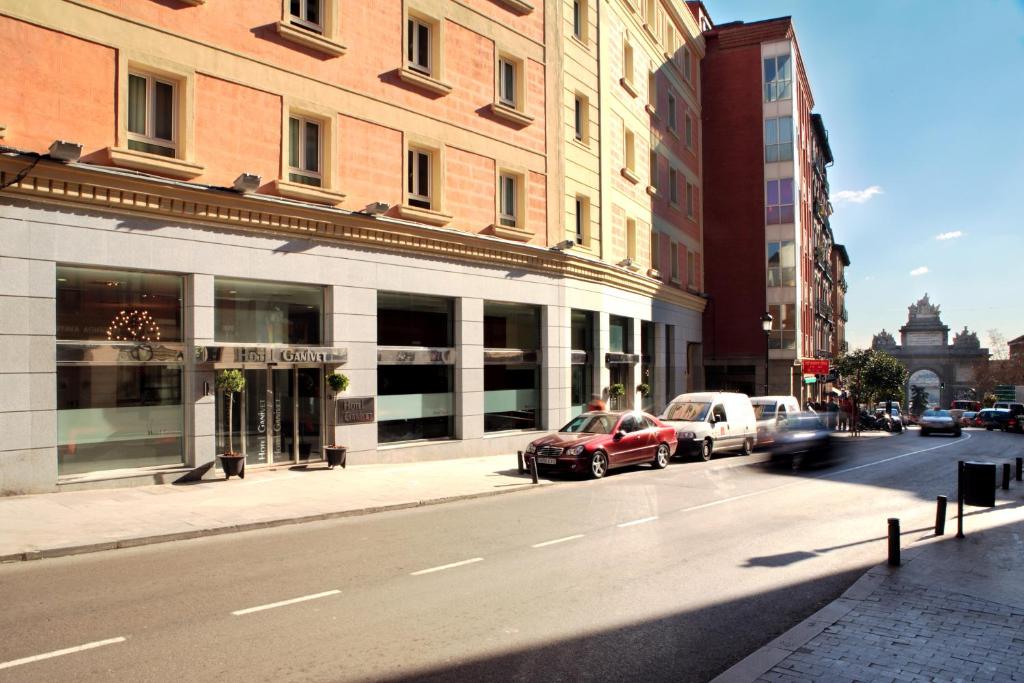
[(685, 435), (575, 450), (531, 448)]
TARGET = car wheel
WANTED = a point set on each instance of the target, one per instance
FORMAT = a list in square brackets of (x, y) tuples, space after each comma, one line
[(598, 465), (707, 449), (988, 429), (661, 456), (748, 447), (957, 433), (924, 432)]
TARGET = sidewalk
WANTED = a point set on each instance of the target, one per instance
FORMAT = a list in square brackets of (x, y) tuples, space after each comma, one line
[(55, 524), (953, 612)]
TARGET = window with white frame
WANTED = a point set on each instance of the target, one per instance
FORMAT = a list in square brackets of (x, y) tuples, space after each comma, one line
[(778, 139), (655, 249), (652, 90), (689, 200), (627, 62), (673, 252), (307, 14), (783, 332), (671, 112), (782, 264), (629, 151), (582, 219), (152, 120), (579, 19), (631, 239), (580, 116), (688, 130), (778, 78), (305, 151), (419, 52), (779, 201), (420, 182), (508, 82), (673, 185), (508, 205)]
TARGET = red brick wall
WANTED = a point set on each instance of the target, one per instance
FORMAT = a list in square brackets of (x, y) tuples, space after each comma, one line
[(734, 251)]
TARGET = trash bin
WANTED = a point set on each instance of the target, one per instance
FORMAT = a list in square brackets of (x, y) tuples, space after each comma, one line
[(979, 484)]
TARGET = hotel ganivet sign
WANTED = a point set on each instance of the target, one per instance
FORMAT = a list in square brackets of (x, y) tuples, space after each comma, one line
[(271, 354)]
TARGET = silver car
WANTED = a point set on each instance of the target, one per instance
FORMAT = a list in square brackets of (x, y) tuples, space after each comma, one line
[(938, 421)]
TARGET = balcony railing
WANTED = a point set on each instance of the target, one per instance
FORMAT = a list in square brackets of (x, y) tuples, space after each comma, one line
[(843, 285), (844, 316)]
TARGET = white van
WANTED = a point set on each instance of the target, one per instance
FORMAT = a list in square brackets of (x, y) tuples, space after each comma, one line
[(709, 422), (769, 411)]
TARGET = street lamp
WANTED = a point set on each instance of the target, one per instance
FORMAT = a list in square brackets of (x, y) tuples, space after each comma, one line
[(766, 325)]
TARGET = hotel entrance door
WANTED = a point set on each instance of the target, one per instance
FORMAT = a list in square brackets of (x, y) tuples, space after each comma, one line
[(277, 417)]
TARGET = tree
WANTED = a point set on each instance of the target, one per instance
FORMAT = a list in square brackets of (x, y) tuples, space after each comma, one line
[(918, 399), (230, 382), (885, 377)]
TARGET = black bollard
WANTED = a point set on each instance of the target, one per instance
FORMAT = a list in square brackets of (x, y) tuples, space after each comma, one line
[(894, 542), (519, 461), (960, 499), (1020, 466), (940, 515), (1006, 476), (533, 470)]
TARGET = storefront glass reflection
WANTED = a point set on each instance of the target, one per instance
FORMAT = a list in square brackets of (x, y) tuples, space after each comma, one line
[(511, 386), (252, 311), (582, 326)]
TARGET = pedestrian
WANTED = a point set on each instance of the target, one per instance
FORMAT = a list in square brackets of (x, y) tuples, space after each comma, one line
[(845, 412), (832, 409), (596, 404)]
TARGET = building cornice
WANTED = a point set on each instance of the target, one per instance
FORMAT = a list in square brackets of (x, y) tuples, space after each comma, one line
[(119, 191)]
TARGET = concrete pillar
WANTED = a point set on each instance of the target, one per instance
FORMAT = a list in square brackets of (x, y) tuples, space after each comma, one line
[(602, 375), (659, 371), (28, 401), (200, 406), (351, 323), (556, 380), (632, 396), (469, 368)]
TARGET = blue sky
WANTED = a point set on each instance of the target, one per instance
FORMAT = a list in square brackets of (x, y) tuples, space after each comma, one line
[(924, 104)]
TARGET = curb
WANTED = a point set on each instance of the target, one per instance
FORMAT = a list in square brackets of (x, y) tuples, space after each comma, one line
[(66, 551)]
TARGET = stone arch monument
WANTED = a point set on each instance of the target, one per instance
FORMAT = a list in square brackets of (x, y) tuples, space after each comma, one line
[(945, 370)]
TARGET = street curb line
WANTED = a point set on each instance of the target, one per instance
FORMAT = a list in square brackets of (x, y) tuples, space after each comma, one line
[(66, 551)]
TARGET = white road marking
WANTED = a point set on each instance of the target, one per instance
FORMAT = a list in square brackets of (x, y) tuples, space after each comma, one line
[(283, 603), (446, 566), (637, 521), (823, 476), (59, 653), (557, 540)]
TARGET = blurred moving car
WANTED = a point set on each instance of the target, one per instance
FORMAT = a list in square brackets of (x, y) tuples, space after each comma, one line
[(1016, 411), (938, 422), (800, 437), (891, 423), (967, 418), (593, 443), (998, 418), (709, 422), (769, 412)]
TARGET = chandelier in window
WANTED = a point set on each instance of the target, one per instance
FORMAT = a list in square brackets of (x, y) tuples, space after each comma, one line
[(133, 325)]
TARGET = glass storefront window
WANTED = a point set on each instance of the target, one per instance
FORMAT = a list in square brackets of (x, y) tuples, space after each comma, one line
[(117, 305), (415, 385), (582, 335), (620, 335), (511, 380), (252, 311), (118, 416), (648, 362)]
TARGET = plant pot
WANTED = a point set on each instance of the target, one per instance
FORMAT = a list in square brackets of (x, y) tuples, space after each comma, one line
[(336, 455), (233, 464)]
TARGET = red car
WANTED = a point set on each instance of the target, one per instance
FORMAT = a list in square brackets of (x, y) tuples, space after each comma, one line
[(593, 443)]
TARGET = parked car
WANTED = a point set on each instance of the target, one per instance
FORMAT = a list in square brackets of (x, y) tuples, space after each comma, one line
[(992, 418), (769, 412), (709, 422), (938, 422), (896, 421), (802, 437), (967, 419), (972, 406), (1016, 411), (594, 442)]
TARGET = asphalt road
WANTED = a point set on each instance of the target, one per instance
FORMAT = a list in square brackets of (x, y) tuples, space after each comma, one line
[(645, 575)]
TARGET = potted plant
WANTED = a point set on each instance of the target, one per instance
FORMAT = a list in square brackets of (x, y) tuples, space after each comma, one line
[(643, 389), (615, 392), (229, 383), (335, 453)]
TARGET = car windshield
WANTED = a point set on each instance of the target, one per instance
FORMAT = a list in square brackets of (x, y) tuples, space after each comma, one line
[(590, 424), (936, 413), (764, 411), (687, 411)]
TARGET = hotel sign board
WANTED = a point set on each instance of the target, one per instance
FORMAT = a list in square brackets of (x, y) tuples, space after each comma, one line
[(271, 354), (356, 410)]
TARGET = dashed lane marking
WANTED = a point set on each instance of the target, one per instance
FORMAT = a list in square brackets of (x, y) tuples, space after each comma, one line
[(446, 566), (59, 653), (557, 540), (283, 603), (637, 521)]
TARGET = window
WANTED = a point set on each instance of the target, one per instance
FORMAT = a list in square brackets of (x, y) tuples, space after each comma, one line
[(779, 204), (778, 79), (631, 239), (689, 200), (688, 130), (627, 67), (511, 385), (152, 123), (781, 264), (778, 139), (655, 249), (305, 151), (579, 19), (254, 311), (691, 269), (629, 151), (673, 185), (783, 332), (582, 219), (687, 68), (652, 92), (507, 82), (674, 255), (307, 13), (580, 118), (419, 55), (582, 343), (419, 175), (671, 112), (654, 170), (508, 205)]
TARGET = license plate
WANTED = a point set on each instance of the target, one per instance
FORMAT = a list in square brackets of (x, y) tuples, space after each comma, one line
[(547, 461)]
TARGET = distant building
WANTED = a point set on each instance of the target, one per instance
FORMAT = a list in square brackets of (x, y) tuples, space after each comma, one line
[(1016, 347)]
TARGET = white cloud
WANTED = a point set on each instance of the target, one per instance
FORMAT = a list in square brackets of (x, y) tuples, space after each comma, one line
[(919, 271), (951, 235), (856, 196)]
